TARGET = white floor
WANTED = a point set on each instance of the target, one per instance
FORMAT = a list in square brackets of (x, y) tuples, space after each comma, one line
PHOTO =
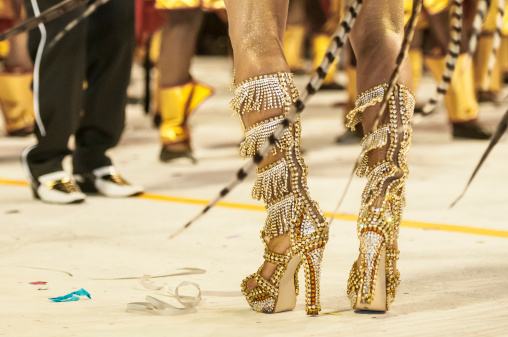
[(453, 263)]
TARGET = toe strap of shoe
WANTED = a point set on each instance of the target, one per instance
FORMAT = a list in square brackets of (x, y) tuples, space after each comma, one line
[(263, 287)]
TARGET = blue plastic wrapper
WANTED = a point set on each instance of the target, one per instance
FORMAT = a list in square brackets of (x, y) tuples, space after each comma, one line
[(74, 296)]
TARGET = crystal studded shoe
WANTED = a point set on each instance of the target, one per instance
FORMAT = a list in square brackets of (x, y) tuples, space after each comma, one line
[(373, 278), (282, 184)]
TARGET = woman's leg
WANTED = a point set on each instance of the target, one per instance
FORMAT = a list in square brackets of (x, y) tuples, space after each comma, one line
[(263, 95), (376, 39), (178, 46), (178, 94)]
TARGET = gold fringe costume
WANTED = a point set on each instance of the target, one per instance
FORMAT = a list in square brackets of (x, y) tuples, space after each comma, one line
[(283, 187), (383, 198)]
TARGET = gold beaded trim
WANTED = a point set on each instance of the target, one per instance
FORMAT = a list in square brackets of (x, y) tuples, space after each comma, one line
[(282, 214), (366, 99), (276, 258), (265, 92), (257, 134), (373, 140), (272, 181)]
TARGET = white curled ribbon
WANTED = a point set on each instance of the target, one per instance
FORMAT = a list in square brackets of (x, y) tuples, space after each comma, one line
[(156, 306)]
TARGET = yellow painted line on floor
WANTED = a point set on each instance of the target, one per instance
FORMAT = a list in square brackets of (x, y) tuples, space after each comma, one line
[(346, 217), (202, 202), (13, 182)]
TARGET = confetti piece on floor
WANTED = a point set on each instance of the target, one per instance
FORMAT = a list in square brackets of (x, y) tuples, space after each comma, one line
[(185, 271), (155, 306), (331, 313), (38, 283), (74, 296)]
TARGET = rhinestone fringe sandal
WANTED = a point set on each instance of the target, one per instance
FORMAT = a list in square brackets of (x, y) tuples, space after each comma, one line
[(373, 279), (282, 185)]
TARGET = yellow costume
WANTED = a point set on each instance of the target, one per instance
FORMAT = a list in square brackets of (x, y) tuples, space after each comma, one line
[(484, 50), (16, 102), (208, 5), (503, 50)]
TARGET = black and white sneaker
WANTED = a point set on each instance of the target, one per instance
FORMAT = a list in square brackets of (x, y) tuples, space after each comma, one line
[(57, 188), (106, 181)]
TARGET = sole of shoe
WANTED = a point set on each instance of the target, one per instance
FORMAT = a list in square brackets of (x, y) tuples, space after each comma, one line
[(287, 291), (379, 301)]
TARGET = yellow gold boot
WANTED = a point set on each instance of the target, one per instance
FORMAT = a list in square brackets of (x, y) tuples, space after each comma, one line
[(486, 92), (176, 105), (294, 36), (373, 278), (282, 184), (350, 137), (460, 99), (416, 58), (320, 43), (503, 54), (16, 101)]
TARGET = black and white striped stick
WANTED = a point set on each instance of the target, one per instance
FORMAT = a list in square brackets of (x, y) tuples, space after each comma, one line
[(92, 8), (451, 57), (483, 7), (501, 129), (336, 44), (496, 43), (48, 15)]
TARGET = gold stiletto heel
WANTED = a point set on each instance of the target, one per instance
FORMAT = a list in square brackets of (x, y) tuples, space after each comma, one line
[(282, 185), (373, 279)]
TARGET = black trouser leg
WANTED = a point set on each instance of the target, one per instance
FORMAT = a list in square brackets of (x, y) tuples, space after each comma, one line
[(57, 86), (110, 46)]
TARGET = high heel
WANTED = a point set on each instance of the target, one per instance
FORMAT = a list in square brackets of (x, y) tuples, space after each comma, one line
[(279, 292), (373, 278), (282, 185)]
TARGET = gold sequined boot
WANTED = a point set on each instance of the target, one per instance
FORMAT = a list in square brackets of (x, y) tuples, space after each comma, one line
[(294, 37), (283, 187), (374, 278), (16, 102), (176, 105)]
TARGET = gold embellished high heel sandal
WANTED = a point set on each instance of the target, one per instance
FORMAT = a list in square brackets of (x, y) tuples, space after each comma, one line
[(373, 279), (282, 184)]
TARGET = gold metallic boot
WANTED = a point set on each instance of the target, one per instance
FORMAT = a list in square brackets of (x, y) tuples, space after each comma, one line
[(373, 278), (460, 98), (283, 187), (503, 52), (481, 65), (176, 105), (416, 58), (16, 101), (294, 36)]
